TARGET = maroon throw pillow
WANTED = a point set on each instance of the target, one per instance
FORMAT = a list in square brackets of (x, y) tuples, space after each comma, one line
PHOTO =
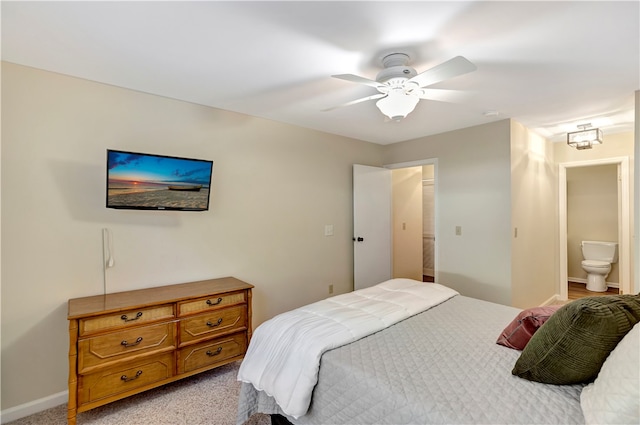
[(518, 333)]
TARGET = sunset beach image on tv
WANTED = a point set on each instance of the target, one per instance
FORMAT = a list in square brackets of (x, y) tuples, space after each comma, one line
[(157, 182)]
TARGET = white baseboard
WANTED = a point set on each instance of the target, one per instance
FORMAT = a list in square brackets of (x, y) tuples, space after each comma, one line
[(36, 406), (581, 280), (551, 301), (556, 298)]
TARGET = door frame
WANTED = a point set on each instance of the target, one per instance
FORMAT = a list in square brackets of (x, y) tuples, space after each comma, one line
[(624, 228), (418, 163)]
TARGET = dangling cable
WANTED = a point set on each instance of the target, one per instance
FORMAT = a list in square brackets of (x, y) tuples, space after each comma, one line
[(107, 256)]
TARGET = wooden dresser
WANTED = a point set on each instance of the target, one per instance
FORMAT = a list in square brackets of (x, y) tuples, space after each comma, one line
[(124, 343)]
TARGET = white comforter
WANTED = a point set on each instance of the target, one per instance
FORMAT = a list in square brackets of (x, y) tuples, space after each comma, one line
[(283, 358)]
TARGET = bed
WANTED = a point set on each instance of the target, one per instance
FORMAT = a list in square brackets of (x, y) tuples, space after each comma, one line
[(440, 366)]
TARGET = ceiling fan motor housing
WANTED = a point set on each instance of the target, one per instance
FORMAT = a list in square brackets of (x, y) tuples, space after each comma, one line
[(395, 67), (403, 72)]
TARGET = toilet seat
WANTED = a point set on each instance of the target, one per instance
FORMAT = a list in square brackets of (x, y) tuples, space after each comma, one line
[(595, 263)]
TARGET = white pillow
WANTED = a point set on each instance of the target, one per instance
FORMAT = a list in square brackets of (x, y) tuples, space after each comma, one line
[(614, 396)]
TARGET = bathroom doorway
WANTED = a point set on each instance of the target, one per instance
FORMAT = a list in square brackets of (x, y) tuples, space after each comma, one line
[(592, 215), (570, 248)]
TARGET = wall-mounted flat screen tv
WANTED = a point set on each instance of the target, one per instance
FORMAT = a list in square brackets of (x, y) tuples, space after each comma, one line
[(144, 181)]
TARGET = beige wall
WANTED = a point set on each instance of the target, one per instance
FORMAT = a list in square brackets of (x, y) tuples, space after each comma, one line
[(493, 179), (407, 222), (474, 192), (534, 215), (275, 187)]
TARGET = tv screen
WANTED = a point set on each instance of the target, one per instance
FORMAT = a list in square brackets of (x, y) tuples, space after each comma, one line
[(157, 182)]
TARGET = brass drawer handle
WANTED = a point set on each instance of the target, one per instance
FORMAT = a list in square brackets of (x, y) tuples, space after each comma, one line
[(211, 353), (125, 379), (211, 304), (126, 319), (213, 325), (126, 344)]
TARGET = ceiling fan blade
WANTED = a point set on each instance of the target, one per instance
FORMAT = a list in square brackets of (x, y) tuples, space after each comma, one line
[(353, 102), (449, 69), (441, 95), (357, 79)]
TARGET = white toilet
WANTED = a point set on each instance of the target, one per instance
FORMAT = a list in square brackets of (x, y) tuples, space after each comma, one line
[(598, 257)]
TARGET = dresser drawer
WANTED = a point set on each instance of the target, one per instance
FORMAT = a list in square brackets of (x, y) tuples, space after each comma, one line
[(124, 319), (208, 304), (125, 344), (210, 353), (124, 378), (209, 325)]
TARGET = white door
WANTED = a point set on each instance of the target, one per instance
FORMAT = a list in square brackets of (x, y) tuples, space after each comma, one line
[(371, 225)]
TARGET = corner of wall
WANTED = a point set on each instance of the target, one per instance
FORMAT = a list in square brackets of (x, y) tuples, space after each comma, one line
[(534, 208), (636, 194)]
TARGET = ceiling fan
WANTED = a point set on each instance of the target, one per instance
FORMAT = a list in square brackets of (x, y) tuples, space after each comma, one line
[(400, 87)]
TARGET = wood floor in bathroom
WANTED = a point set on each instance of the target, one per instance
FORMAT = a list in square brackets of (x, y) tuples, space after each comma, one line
[(579, 290)]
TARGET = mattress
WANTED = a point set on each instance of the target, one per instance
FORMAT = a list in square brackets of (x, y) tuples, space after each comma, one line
[(284, 356), (441, 366)]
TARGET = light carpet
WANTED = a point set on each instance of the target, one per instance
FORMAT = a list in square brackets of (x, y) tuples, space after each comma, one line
[(208, 398)]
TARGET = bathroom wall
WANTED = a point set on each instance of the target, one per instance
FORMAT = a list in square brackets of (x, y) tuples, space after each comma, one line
[(592, 214)]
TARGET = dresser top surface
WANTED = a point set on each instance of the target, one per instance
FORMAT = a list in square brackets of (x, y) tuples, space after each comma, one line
[(120, 301)]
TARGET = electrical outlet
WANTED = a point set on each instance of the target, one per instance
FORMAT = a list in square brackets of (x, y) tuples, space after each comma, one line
[(330, 289), (458, 230)]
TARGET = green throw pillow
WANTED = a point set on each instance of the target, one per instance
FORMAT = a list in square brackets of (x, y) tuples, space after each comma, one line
[(573, 344)]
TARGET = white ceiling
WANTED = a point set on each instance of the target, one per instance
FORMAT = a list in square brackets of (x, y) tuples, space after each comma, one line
[(544, 64)]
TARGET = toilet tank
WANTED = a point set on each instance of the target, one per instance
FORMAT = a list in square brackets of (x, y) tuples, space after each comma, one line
[(601, 251)]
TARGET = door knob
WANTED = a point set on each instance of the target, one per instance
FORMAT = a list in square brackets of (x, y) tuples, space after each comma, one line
[(358, 239)]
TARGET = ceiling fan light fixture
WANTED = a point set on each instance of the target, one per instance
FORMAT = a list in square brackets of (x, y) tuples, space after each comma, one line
[(397, 105), (585, 138), (400, 87)]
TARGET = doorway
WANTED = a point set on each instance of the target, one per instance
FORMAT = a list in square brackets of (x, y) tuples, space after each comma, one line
[(416, 256), (623, 222)]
